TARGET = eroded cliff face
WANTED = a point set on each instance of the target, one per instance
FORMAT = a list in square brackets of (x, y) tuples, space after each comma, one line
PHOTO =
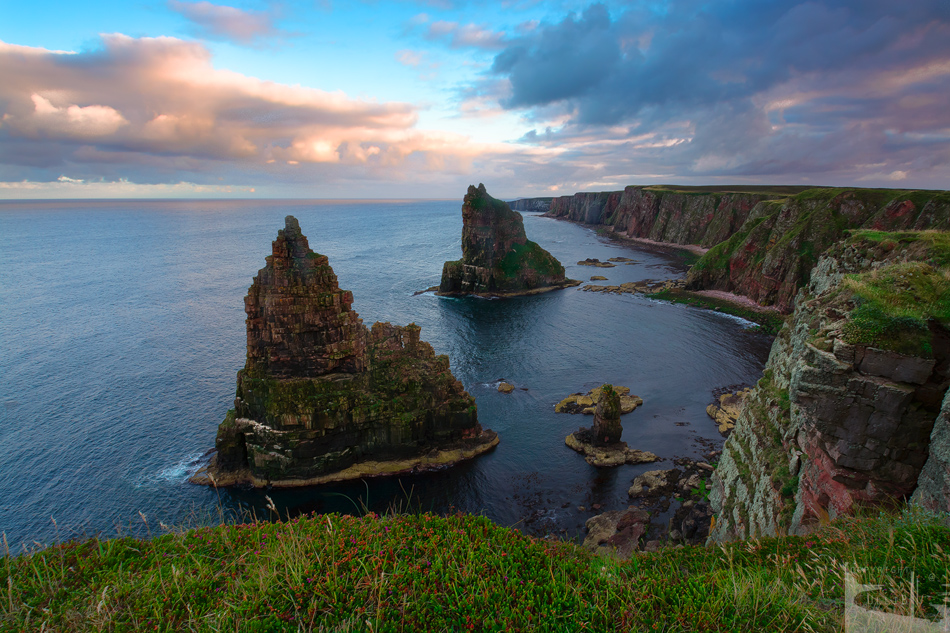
[(497, 257), (531, 204), (771, 255), (322, 398), (762, 244), (845, 412), (662, 215)]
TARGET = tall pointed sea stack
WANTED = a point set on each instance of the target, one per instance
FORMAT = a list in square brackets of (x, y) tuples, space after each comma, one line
[(322, 398), (497, 257)]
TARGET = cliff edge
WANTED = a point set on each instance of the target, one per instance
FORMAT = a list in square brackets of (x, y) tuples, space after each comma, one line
[(852, 409), (497, 257), (322, 398)]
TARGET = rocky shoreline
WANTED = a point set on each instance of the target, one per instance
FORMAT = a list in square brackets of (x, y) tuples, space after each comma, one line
[(436, 459)]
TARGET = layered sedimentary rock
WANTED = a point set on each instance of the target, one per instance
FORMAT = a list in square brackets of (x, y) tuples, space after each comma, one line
[(662, 215), (323, 398), (763, 243), (531, 204), (933, 485), (771, 255), (844, 416), (497, 257)]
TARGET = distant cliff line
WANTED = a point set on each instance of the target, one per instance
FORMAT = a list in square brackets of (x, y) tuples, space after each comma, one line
[(763, 241)]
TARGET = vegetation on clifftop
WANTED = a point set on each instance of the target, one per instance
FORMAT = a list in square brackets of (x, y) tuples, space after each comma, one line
[(772, 254), (895, 302), (429, 573)]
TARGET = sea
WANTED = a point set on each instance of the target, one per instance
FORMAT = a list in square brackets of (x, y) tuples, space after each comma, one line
[(122, 331)]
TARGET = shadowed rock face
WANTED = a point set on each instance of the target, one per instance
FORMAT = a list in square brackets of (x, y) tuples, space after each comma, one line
[(834, 425), (497, 257), (299, 322), (322, 398), (607, 428)]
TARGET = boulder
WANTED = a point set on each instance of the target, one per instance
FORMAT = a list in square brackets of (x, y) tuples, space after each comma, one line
[(617, 533)]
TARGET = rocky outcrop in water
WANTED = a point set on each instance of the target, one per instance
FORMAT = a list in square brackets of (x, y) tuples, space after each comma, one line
[(497, 257), (322, 398), (601, 445), (588, 403), (844, 416)]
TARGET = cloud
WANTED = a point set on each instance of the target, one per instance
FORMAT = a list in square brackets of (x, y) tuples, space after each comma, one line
[(155, 110), (765, 89), (410, 58), (465, 35), (221, 22)]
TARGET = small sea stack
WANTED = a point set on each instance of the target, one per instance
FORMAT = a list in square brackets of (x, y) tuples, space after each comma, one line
[(323, 398), (601, 445), (498, 260)]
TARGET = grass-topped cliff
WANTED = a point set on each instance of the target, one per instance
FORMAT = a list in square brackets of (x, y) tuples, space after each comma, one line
[(429, 573), (854, 389), (772, 253), (763, 240)]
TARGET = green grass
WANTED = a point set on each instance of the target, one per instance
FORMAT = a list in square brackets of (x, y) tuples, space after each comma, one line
[(768, 321), (428, 573), (894, 302)]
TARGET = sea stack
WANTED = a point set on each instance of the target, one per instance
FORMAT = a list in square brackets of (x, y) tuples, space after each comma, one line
[(497, 258), (322, 398)]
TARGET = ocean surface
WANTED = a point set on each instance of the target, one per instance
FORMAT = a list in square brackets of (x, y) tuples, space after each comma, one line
[(122, 330)]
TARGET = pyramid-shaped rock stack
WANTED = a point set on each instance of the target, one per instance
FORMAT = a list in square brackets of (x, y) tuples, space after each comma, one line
[(322, 398), (497, 258), (299, 322)]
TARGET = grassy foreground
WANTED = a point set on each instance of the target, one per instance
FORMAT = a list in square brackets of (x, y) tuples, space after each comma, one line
[(428, 573)]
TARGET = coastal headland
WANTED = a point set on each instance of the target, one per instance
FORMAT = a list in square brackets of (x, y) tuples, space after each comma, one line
[(851, 412)]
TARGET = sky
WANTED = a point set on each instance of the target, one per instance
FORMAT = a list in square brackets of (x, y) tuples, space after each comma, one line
[(419, 99)]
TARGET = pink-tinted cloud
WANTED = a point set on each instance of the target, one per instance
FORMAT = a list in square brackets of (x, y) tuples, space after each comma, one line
[(217, 21), (157, 108), (465, 35)]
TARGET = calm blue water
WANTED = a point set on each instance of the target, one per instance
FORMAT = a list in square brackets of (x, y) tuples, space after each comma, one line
[(122, 329)]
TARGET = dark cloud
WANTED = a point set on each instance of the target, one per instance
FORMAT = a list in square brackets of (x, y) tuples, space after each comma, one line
[(751, 88), (570, 59)]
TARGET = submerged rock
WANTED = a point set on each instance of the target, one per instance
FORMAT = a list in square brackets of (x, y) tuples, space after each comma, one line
[(322, 398), (596, 263), (497, 257)]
